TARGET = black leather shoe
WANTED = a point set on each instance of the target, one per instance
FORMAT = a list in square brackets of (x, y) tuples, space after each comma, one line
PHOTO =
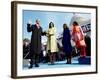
[(36, 65), (31, 66)]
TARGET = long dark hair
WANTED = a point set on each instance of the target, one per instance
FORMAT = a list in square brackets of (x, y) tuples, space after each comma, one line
[(75, 23), (50, 24), (65, 26)]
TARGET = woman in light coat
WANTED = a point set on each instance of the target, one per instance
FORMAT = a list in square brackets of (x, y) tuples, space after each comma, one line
[(52, 42)]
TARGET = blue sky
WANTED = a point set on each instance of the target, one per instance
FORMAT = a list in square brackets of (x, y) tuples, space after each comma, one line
[(59, 18)]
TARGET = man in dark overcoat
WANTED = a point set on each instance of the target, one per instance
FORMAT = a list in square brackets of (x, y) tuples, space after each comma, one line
[(35, 45)]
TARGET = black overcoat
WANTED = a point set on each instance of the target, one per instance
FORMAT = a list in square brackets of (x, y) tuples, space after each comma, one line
[(35, 45)]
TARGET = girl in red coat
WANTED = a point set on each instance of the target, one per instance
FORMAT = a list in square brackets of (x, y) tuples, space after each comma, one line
[(78, 38)]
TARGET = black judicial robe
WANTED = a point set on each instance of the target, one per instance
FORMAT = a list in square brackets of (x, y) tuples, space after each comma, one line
[(35, 45)]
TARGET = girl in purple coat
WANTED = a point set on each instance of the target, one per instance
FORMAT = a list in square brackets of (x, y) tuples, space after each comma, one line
[(66, 42)]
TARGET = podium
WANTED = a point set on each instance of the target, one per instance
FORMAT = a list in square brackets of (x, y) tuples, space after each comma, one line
[(84, 60)]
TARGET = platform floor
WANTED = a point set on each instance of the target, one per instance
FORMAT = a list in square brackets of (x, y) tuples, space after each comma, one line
[(58, 64)]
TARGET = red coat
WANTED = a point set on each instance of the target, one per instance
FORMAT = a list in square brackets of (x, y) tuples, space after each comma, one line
[(78, 36)]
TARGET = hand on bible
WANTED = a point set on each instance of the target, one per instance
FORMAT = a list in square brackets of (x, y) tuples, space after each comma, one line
[(45, 32)]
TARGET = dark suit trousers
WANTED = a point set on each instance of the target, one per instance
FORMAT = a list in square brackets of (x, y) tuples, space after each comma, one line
[(35, 59)]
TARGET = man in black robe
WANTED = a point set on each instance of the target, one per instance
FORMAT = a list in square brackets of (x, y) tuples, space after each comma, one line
[(35, 45)]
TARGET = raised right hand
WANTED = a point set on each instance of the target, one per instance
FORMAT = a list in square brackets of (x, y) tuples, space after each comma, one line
[(30, 22)]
